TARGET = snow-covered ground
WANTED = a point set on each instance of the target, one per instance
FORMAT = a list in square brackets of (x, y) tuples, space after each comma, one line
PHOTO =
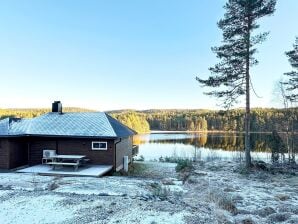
[(215, 192), (258, 197)]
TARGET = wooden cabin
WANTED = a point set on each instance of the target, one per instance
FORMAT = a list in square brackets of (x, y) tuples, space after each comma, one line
[(98, 136)]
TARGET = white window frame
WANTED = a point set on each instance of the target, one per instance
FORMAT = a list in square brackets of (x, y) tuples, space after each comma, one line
[(98, 142)]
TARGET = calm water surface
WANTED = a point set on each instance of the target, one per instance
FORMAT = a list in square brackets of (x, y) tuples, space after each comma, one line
[(223, 146)]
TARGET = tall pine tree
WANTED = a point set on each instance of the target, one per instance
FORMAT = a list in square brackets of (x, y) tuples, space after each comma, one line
[(236, 55), (292, 82)]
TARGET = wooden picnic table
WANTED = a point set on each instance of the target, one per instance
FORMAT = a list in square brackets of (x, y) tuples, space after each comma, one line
[(67, 160)]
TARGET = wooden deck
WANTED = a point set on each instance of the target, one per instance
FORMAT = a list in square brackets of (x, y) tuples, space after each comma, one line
[(87, 171)]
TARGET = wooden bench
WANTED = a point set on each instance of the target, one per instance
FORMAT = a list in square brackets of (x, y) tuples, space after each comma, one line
[(75, 165)]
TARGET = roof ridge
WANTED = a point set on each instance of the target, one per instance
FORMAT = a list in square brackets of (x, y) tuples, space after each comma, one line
[(123, 125), (107, 119)]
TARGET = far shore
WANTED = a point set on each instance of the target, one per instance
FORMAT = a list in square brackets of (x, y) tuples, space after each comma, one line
[(210, 131)]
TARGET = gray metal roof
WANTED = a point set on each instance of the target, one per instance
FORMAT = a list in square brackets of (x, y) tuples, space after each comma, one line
[(4, 124), (88, 124)]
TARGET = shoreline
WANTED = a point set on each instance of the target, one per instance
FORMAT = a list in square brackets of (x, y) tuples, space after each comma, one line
[(207, 132)]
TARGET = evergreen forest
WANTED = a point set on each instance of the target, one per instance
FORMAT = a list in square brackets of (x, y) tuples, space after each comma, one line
[(262, 120)]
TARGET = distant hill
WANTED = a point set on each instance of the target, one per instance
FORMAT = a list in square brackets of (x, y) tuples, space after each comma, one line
[(34, 112), (262, 119)]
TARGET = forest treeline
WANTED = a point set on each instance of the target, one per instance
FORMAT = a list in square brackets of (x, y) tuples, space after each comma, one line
[(262, 120), (34, 112)]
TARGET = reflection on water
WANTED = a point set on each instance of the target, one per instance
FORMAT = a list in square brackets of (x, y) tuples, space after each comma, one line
[(225, 146)]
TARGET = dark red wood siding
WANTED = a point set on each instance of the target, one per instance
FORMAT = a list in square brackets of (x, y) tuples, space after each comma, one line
[(84, 147), (37, 145), (72, 146), (13, 153), (4, 154), (18, 153), (123, 148)]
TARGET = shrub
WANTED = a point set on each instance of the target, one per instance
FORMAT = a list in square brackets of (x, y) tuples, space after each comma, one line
[(222, 199), (160, 191), (137, 169), (53, 186), (161, 159), (184, 165)]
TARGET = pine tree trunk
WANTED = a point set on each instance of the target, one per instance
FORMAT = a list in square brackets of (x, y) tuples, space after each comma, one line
[(247, 109), (247, 124), (292, 135)]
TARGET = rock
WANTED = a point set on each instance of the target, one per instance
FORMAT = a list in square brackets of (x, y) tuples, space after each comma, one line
[(146, 197), (237, 198), (192, 180), (103, 194), (243, 212), (288, 208), (279, 217), (154, 185), (167, 181), (293, 220), (284, 208), (223, 218), (264, 212), (282, 197), (5, 187), (247, 221), (229, 189), (260, 165), (198, 173)]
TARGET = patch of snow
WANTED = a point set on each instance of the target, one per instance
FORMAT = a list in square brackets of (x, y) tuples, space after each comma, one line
[(24, 181), (41, 209), (110, 186), (4, 193)]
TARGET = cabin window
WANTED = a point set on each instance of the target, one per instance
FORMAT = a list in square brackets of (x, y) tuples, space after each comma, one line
[(99, 145)]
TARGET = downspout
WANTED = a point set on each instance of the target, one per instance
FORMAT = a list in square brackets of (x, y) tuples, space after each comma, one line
[(115, 157)]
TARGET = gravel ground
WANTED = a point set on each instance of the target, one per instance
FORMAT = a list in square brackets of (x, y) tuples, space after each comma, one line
[(214, 192)]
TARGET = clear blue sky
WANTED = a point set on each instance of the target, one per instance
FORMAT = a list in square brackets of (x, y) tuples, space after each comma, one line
[(115, 54)]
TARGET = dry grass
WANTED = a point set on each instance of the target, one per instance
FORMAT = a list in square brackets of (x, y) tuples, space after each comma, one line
[(222, 200)]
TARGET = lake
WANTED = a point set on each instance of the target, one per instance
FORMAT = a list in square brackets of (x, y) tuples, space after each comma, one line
[(211, 146)]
